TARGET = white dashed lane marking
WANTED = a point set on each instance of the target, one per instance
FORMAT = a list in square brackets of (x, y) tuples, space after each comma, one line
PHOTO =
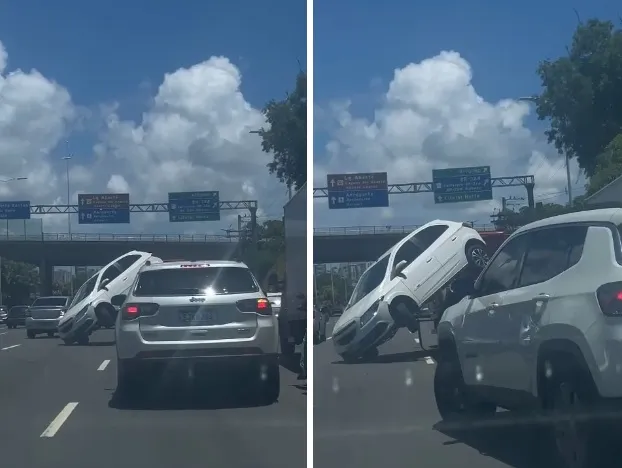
[(103, 365), (429, 360), (10, 347), (59, 420)]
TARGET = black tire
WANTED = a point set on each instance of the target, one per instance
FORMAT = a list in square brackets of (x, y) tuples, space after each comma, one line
[(82, 340), (106, 315), (405, 314), (476, 255), (270, 384), (31, 334), (129, 379), (450, 393), (577, 443)]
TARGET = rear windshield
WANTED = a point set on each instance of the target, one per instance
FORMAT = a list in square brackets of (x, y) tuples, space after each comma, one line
[(18, 309), (50, 302), (195, 281)]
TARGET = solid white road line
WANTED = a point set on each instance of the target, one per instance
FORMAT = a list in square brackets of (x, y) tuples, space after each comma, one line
[(429, 360), (59, 420), (9, 347), (103, 365)]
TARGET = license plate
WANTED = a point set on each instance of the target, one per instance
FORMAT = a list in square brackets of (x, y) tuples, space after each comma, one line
[(198, 316)]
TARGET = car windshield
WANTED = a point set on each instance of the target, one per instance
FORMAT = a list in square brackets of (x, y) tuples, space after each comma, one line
[(50, 302), (195, 281), (370, 280), (85, 290)]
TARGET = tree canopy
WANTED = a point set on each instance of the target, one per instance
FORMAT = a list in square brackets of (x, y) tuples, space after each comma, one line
[(582, 95), (286, 138), (19, 281)]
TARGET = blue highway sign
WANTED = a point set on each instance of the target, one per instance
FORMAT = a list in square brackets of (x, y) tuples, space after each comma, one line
[(363, 190), (104, 208), (15, 210), (193, 206), (462, 184)]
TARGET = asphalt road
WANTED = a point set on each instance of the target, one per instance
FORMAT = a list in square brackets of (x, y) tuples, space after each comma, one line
[(58, 410), (383, 414)]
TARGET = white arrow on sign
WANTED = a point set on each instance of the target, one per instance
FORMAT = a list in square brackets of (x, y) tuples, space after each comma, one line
[(439, 198), (333, 200), (332, 182), (486, 182)]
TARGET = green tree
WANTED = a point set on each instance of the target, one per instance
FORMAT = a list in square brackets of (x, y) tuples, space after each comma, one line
[(266, 259), (286, 138), (19, 281), (582, 94), (608, 166)]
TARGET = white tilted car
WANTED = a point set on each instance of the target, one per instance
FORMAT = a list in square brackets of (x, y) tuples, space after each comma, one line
[(91, 307), (411, 278)]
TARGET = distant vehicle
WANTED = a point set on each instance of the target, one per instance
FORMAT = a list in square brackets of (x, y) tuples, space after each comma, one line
[(210, 312), (320, 319), (4, 313), (91, 307), (44, 314), (410, 279), (16, 316)]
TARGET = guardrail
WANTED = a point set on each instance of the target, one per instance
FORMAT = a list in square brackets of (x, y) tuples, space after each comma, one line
[(367, 230), (78, 237)]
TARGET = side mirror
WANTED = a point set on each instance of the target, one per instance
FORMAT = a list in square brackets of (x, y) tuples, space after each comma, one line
[(118, 300), (398, 269), (463, 287), (103, 284)]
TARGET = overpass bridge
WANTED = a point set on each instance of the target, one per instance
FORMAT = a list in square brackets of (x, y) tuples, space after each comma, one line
[(49, 250), (361, 243)]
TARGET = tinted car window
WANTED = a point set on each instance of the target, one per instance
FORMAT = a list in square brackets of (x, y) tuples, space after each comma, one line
[(85, 290), (370, 280), (409, 252), (126, 262), (111, 273), (195, 281), (58, 301), (429, 235), (502, 272), (550, 252)]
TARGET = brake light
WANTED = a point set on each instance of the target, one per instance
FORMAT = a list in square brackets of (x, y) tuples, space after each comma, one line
[(195, 265), (133, 311), (258, 306), (610, 299)]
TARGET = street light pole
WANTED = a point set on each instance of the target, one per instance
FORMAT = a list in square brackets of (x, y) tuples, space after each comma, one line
[(7, 229), (534, 99), (67, 159)]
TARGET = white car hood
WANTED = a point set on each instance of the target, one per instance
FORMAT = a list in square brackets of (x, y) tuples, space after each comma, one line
[(357, 310), (72, 312)]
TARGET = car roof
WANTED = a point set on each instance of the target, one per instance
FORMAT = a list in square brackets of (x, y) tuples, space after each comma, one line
[(436, 222), (195, 263), (602, 215)]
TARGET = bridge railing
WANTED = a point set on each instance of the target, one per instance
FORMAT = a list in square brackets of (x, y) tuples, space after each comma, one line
[(367, 230), (102, 237)]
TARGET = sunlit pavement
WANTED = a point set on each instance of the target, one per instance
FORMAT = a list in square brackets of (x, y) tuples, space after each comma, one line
[(57, 409), (383, 414)]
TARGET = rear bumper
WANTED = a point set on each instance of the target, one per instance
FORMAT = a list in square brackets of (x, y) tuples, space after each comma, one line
[(43, 325), (131, 344)]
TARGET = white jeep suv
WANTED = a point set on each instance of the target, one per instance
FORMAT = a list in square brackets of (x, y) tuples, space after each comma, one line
[(410, 278), (540, 329)]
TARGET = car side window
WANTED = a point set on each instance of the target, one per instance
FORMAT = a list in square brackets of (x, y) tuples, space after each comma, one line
[(502, 272), (112, 272), (429, 235), (408, 252), (551, 252), (126, 262)]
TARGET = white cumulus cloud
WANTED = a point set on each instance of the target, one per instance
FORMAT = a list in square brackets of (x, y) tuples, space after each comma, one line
[(431, 117)]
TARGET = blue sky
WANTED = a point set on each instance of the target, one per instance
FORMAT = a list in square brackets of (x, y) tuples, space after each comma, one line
[(359, 44), (119, 52)]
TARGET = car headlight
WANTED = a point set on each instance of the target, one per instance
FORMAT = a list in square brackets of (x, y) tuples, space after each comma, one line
[(369, 313)]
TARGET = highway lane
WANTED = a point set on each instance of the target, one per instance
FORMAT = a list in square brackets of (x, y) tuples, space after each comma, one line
[(69, 392), (383, 413)]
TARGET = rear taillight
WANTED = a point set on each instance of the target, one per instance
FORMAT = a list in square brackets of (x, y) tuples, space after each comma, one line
[(133, 311), (610, 299), (258, 306)]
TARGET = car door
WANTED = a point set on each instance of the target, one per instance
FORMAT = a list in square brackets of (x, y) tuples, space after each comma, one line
[(478, 338), (419, 271), (550, 252), (122, 272)]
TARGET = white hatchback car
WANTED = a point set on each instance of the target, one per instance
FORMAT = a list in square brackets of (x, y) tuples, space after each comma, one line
[(184, 314), (91, 306), (410, 279)]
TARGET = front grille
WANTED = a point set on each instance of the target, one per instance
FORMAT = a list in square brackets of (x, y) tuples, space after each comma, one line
[(370, 339), (346, 334)]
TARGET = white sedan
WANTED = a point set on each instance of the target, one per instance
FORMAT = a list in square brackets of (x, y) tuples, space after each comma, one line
[(409, 280)]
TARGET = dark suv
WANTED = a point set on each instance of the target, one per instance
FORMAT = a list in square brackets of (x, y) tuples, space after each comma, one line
[(17, 316)]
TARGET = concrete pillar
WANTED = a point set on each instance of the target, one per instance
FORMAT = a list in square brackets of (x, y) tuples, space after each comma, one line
[(46, 277), (530, 199)]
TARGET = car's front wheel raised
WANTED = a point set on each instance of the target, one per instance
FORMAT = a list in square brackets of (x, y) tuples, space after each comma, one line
[(476, 255)]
